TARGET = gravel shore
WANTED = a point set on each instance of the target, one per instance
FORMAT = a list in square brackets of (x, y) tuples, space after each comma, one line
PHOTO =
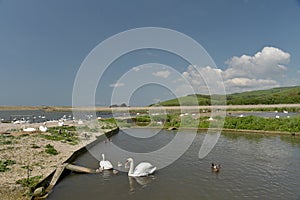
[(29, 150)]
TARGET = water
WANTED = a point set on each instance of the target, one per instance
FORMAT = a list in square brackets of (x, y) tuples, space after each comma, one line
[(42, 116), (253, 167)]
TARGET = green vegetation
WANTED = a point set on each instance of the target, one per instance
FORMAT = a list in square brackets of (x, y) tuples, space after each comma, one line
[(240, 123), (108, 123), (261, 123), (144, 120), (66, 134), (29, 182), (5, 163), (49, 149), (283, 95), (6, 139), (87, 129)]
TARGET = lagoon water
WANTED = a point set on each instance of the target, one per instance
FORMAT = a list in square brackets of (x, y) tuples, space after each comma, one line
[(253, 167), (42, 116)]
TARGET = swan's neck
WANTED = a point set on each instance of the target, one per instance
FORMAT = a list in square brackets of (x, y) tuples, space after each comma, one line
[(131, 168), (103, 158)]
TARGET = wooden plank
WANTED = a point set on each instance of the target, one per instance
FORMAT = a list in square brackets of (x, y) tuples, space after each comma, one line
[(56, 176), (80, 169)]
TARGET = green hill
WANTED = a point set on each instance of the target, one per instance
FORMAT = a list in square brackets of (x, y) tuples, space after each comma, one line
[(282, 95)]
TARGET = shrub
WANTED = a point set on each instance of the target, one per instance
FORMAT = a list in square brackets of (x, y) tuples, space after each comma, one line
[(49, 149), (5, 163), (29, 182)]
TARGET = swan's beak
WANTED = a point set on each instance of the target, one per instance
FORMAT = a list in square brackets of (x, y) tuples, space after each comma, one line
[(126, 164)]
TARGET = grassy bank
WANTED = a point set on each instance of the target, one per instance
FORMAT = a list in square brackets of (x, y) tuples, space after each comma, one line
[(290, 125)]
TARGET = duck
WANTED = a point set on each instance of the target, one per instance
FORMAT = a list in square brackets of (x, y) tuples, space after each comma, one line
[(142, 169), (105, 164), (215, 168)]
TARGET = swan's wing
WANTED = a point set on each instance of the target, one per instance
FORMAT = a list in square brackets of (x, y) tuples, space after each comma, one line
[(144, 169), (105, 164)]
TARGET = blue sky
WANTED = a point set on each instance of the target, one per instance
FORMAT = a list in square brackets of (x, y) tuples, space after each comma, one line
[(254, 43)]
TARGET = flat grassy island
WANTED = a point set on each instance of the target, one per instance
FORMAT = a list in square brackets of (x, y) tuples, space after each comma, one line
[(238, 123)]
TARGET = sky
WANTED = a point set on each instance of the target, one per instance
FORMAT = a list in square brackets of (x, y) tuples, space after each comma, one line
[(254, 44)]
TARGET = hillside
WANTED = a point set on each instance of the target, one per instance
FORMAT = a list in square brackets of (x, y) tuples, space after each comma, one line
[(282, 95)]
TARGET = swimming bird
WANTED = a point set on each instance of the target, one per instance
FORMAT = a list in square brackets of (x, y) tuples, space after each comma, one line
[(142, 169), (215, 168), (105, 164), (119, 164), (99, 170)]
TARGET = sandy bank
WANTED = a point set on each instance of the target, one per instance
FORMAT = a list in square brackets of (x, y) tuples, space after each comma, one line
[(42, 164)]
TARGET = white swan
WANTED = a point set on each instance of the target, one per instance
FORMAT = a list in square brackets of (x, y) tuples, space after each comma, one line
[(29, 129), (105, 164), (142, 169), (60, 123), (43, 128), (120, 164)]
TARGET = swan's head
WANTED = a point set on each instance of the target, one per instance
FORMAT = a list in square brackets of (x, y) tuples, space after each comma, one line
[(129, 160)]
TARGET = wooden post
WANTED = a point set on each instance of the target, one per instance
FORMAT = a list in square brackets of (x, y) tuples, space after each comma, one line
[(80, 169)]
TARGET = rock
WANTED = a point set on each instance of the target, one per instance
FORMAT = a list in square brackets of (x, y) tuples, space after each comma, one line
[(39, 192)]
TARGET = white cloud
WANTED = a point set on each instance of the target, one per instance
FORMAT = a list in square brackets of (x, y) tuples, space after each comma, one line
[(163, 74), (265, 69), (156, 100), (267, 64), (116, 85), (244, 84), (140, 67)]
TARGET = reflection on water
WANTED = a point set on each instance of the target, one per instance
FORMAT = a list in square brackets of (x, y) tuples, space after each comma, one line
[(252, 167), (295, 141), (142, 182), (247, 136)]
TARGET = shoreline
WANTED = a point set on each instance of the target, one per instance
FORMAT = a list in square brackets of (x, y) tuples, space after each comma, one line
[(102, 108), (245, 131)]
